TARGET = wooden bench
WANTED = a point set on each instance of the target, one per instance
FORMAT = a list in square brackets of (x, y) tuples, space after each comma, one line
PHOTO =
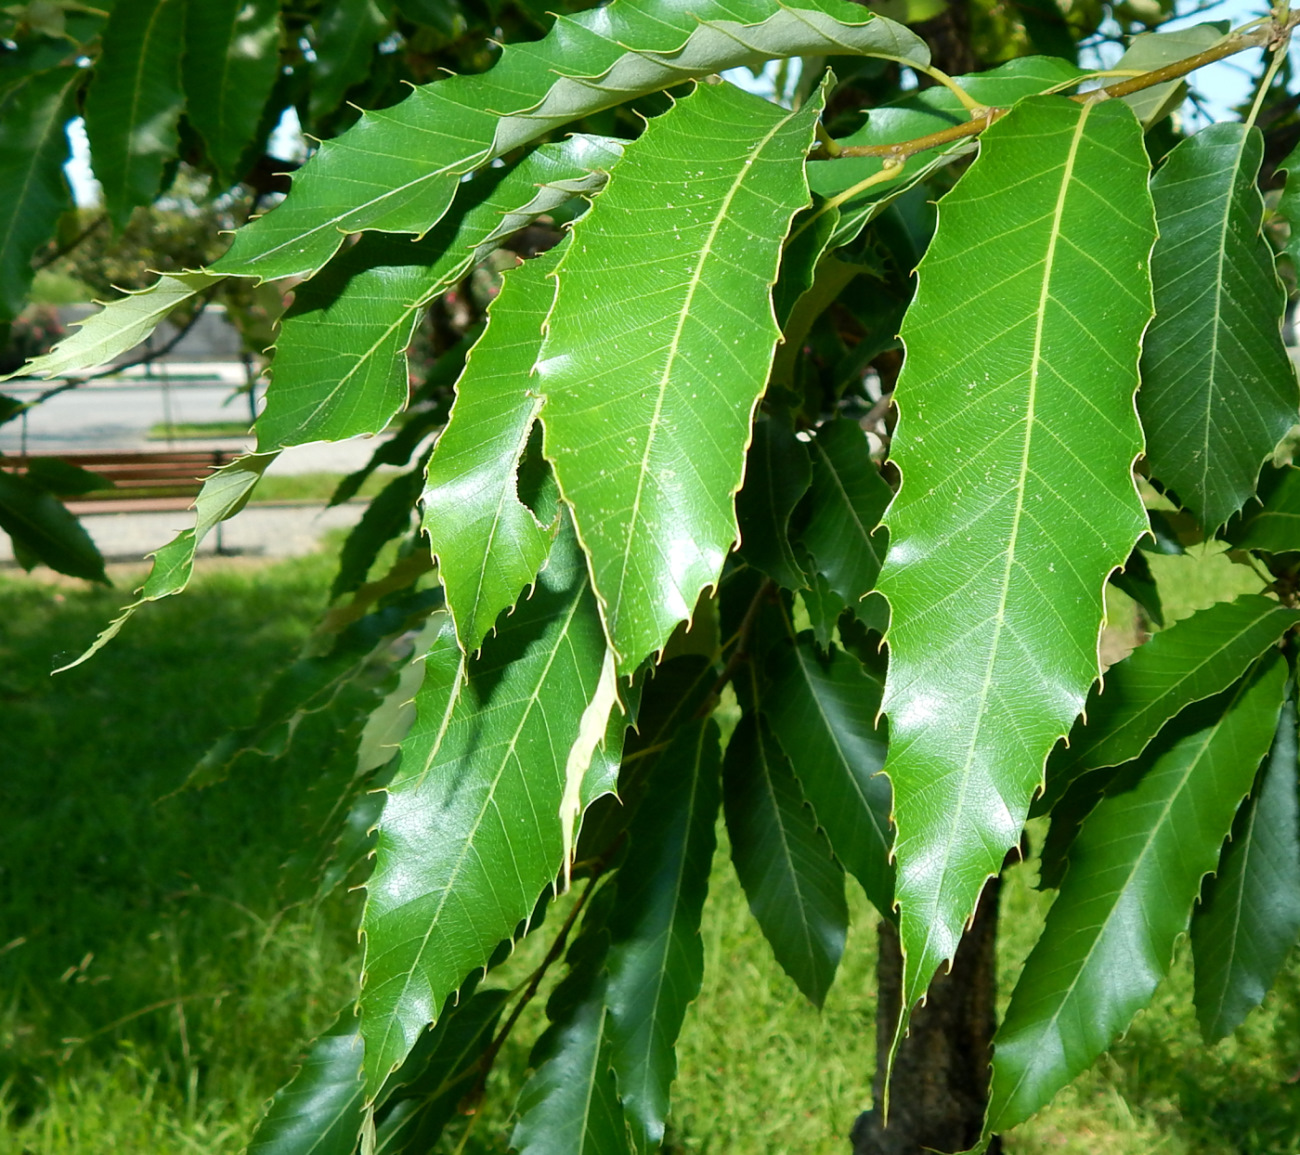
[(141, 480)]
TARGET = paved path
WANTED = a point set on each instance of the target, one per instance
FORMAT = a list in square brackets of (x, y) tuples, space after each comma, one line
[(118, 413)]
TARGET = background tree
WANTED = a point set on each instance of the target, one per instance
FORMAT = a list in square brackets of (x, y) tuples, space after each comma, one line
[(701, 546)]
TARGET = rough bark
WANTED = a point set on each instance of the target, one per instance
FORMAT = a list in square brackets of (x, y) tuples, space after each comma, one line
[(941, 1074)]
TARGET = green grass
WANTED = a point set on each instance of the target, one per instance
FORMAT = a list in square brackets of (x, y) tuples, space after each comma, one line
[(312, 486), (162, 972), (193, 430)]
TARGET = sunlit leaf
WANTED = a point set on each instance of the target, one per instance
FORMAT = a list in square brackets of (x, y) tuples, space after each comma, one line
[(1009, 519), (1249, 915), (1135, 871), (488, 542), (471, 833), (649, 394), (397, 169), (119, 326), (340, 367), (224, 494), (1192, 660)]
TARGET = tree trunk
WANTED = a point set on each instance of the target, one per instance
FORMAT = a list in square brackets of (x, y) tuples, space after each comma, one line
[(941, 1075)]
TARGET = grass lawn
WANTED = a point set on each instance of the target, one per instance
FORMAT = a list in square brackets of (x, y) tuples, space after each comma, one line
[(159, 971)]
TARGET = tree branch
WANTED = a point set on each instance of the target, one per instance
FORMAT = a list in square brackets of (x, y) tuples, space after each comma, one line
[(1269, 34)]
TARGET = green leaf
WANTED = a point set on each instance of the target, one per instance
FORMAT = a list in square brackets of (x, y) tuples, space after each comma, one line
[(1194, 659), (844, 506), (1249, 916), (1137, 580), (1009, 519), (119, 326), (1152, 50), (43, 530), (840, 181), (232, 60), (397, 169), (1135, 870), (224, 494), (1288, 205), (340, 367), (794, 886), (422, 1097), (570, 1106), (134, 102), (1272, 521), (319, 1111), (1218, 389), (33, 191), (656, 957), (346, 35), (777, 475), (649, 397), (823, 712), (387, 516), (488, 543), (471, 832)]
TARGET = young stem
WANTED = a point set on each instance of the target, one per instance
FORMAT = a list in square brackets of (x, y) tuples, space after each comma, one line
[(1274, 32)]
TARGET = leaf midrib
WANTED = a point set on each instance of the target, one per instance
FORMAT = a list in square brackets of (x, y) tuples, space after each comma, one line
[(1058, 213), (1042, 1026), (502, 762), (683, 315)]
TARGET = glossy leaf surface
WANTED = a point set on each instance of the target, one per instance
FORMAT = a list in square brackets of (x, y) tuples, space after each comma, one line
[(340, 367), (488, 542), (319, 1111), (471, 832), (655, 356), (1249, 914), (119, 326), (839, 181), (1218, 388), (794, 887), (1192, 660), (1006, 524), (1135, 871), (823, 712), (397, 170), (232, 59), (656, 956), (134, 102), (33, 191)]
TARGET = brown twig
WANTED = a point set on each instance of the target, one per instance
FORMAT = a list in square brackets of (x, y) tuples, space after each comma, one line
[(475, 1094), (1271, 33)]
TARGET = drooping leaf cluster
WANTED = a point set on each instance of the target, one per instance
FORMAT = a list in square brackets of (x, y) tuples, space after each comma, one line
[(688, 544)]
